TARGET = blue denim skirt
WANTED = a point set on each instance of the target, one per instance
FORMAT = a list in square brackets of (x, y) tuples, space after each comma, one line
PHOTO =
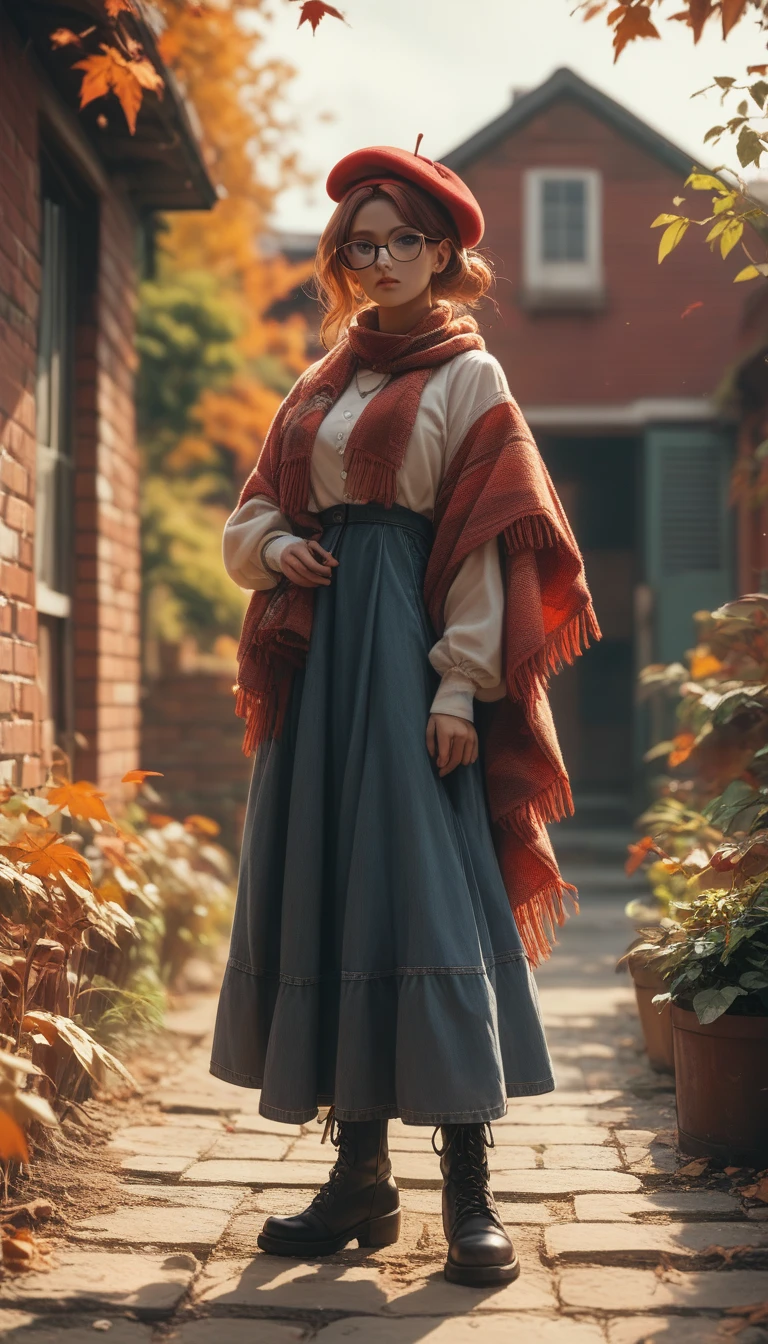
[(374, 962)]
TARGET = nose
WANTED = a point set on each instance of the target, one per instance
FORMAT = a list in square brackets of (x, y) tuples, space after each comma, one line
[(382, 247)]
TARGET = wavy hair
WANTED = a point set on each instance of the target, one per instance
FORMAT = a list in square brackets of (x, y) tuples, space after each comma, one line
[(463, 282)]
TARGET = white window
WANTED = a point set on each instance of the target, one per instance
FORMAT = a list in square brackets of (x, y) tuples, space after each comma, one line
[(562, 233)]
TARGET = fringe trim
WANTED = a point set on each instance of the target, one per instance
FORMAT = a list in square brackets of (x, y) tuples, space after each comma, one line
[(551, 804), (263, 711), (371, 479), (533, 532), (563, 646), (293, 486), (537, 918)]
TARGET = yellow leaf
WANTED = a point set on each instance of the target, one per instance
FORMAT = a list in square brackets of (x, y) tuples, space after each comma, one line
[(671, 237), (706, 182), (716, 230), (730, 236), (725, 203), (705, 665), (749, 273), (664, 219)]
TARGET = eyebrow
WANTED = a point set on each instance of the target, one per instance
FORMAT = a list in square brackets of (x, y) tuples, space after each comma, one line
[(367, 234)]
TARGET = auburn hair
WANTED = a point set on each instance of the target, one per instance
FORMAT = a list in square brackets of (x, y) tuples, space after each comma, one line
[(463, 282)]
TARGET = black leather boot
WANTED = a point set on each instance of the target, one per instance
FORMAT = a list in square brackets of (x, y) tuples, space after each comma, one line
[(479, 1250), (359, 1202)]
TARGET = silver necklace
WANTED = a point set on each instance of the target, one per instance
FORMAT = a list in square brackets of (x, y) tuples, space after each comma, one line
[(371, 390)]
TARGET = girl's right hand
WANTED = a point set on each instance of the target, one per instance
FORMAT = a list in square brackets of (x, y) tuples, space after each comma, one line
[(307, 564)]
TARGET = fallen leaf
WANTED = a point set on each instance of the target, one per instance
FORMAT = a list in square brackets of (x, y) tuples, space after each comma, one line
[(695, 1168), (731, 1171), (757, 1191)]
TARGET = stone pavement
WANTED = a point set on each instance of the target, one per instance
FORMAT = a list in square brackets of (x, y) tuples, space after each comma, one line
[(616, 1247)]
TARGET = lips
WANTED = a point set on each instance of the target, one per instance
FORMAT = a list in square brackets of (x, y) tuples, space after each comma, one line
[(386, 284)]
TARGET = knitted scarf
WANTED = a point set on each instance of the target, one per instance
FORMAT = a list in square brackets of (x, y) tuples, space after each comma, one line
[(496, 486)]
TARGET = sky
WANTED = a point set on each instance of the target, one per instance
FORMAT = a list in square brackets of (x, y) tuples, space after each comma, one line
[(448, 67)]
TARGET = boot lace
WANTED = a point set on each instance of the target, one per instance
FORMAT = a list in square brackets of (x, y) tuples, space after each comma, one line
[(469, 1174), (341, 1139)]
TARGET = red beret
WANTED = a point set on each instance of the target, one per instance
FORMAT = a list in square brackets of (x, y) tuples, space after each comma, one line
[(364, 167)]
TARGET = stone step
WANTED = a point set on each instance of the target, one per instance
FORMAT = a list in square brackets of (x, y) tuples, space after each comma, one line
[(609, 1243)]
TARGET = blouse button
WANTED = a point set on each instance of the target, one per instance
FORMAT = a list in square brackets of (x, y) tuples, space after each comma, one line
[(339, 436), (343, 475), (347, 415)]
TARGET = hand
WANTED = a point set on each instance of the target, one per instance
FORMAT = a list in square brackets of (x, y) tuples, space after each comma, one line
[(307, 564), (455, 740)]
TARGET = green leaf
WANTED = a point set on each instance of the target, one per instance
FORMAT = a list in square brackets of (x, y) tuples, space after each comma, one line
[(754, 980), (749, 273), (730, 804), (709, 1004), (671, 236)]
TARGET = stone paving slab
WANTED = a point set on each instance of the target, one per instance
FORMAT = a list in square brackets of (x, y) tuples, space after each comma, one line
[(234, 1331), (253, 1147), (164, 1167), (525, 1114), (189, 1196), (607, 1289), (151, 1285), (647, 1241), (328, 1286), (490, 1328), (696, 1204), (232, 1172), (162, 1140), (18, 1327), (673, 1330), (195, 1228), (258, 1124), (581, 1156), (563, 1182)]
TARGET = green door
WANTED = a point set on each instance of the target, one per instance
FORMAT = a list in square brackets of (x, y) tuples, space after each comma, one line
[(689, 551)]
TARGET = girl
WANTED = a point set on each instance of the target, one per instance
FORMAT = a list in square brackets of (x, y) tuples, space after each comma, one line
[(414, 582)]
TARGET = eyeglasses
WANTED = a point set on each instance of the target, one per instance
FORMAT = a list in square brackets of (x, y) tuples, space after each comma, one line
[(405, 246)]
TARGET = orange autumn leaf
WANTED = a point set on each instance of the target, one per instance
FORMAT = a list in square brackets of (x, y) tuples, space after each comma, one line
[(201, 825), (637, 853), (159, 820), (111, 73), (312, 11), (138, 776), (631, 21), (13, 1143), (82, 799), (757, 1191), (732, 12), (705, 665), (682, 747), (757, 69), (64, 37), (48, 857), (698, 13), (115, 7)]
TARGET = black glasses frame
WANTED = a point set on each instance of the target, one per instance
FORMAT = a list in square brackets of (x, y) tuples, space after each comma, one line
[(379, 247)]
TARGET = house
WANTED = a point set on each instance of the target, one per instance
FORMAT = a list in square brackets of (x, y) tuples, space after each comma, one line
[(77, 197), (615, 361)]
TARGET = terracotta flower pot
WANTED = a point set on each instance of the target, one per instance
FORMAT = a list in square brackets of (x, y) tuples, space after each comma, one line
[(721, 1075), (657, 1026)]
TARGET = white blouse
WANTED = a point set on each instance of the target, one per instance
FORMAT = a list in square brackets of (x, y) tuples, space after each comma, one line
[(468, 655)]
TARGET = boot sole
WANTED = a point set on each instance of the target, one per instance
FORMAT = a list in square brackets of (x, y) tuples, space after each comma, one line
[(479, 1276), (374, 1233)]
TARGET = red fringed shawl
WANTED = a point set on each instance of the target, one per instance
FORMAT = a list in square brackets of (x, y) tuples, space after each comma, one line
[(496, 486)]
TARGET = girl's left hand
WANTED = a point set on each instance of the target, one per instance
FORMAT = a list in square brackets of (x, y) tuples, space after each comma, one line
[(454, 739)]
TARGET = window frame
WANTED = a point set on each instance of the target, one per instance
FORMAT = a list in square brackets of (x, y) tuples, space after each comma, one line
[(567, 278)]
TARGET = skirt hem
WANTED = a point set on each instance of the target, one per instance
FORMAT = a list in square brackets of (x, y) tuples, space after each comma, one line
[(385, 1112)]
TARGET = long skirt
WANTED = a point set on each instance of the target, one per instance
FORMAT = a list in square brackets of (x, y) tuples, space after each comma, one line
[(374, 963)]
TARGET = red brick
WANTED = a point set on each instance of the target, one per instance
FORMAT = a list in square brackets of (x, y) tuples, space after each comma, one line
[(26, 623), (25, 659)]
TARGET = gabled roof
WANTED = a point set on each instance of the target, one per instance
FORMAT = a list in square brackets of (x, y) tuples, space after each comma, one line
[(565, 83)]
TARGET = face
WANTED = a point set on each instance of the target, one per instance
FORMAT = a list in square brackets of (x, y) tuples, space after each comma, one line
[(390, 282)]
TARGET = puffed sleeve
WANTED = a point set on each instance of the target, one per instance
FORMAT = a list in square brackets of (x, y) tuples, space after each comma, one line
[(252, 530), (468, 656)]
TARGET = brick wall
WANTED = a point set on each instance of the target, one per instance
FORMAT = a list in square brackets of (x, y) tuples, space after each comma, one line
[(639, 345), (107, 560), (192, 735), (19, 293)]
